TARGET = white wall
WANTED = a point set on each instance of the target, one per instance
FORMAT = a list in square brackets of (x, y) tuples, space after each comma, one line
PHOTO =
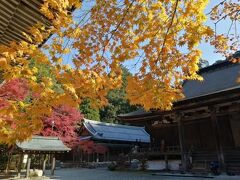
[(160, 164)]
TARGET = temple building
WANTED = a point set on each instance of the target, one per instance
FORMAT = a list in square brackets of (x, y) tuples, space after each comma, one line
[(105, 141), (201, 128)]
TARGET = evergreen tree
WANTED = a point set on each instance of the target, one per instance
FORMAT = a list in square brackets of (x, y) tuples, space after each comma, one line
[(118, 103), (88, 111)]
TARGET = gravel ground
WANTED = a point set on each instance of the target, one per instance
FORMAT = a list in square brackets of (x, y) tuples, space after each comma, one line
[(104, 174)]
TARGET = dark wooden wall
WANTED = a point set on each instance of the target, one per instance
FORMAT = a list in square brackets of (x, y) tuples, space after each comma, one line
[(225, 130), (199, 135), (235, 125), (168, 134)]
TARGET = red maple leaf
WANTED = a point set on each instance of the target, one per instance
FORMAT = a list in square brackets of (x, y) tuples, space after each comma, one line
[(62, 123)]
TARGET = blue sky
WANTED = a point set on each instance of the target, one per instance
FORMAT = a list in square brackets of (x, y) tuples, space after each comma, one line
[(222, 27), (208, 52)]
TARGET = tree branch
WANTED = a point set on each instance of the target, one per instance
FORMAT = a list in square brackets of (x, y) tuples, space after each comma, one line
[(169, 27), (216, 6), (118, 25)]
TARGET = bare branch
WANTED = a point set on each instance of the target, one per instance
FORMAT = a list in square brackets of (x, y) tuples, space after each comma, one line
[(237, 11), (216, 6)]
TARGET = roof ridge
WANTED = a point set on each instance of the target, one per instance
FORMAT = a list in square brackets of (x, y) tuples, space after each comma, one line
[(44, 137), (136, 112), (112, 131), (113, 124), (214, 66), (218, 77)]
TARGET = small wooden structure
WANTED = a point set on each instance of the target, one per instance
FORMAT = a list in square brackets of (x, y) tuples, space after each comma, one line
[(205, 125), (41, 146)]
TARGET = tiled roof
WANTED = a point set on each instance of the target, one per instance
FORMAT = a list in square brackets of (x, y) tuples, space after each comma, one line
[(116, 132), (218, 77), (40, 143), (135, 113)]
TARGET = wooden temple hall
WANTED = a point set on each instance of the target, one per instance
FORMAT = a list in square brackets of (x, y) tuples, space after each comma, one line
[(203, 127), (100, 141)]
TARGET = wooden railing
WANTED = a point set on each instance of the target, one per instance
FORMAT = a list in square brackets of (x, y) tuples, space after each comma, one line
[(167, 149)]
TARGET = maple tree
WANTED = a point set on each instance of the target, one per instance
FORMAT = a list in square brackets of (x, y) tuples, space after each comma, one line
[(117, 103), (13, 122), (62, 123), (160, 37), (89, 147)]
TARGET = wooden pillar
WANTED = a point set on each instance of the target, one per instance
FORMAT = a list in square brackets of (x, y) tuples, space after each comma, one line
[(216, 132), (20, 165), (166, 161), (108, 155), (78, 154), (97, 157), (80, 158), (44, 163), (53, 165), (8, 162), (235, 126), (49, 160), (83, 156), (88, 157), (181, 141), (73, 156), (28, 166)]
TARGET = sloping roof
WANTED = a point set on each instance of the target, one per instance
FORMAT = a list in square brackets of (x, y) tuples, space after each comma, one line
[(40, 143), (139, 112), (218, 77), (116, 132), (17, 16)]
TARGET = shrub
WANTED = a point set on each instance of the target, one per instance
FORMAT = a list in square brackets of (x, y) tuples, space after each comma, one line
[(112, 166), (143, 165)]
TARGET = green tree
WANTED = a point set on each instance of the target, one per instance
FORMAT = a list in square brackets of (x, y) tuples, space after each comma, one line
[(44, 71), (88, 111), (118, 103)]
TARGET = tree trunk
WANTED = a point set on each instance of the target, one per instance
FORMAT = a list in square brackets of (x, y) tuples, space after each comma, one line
[(8, 162), (44, 163)]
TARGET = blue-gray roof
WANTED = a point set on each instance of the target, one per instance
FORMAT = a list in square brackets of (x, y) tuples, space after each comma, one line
[(116, 132), (42, 143), (135, 113), (218, 77)]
